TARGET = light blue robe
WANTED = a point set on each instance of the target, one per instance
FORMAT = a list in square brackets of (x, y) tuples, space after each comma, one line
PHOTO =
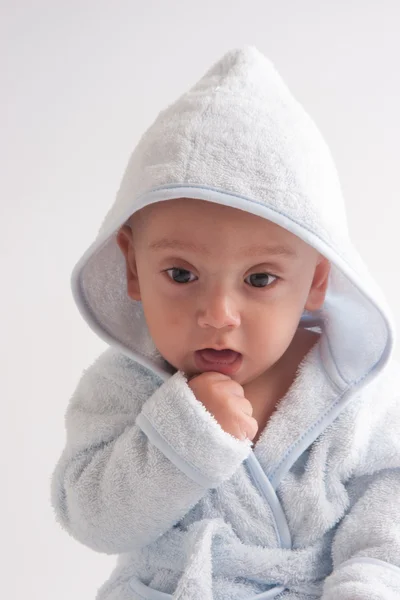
[(147, 473)]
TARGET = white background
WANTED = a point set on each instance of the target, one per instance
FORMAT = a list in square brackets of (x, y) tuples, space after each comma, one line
[(80, 81)]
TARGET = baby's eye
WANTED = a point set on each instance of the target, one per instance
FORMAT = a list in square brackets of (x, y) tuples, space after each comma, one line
[(179, 274), (261, 280)]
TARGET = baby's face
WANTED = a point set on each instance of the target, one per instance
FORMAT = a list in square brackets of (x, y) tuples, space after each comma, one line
[(214, 276)]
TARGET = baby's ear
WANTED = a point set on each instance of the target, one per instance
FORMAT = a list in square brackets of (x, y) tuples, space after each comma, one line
[(125, 243), (317, 293)]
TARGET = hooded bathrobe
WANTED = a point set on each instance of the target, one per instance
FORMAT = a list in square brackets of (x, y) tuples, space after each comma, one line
[(312, 510)]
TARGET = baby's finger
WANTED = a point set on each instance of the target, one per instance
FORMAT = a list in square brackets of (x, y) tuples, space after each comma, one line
[(249, 428), (246, 407)]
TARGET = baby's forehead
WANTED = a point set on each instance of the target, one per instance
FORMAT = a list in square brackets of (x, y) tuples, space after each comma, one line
[(193, 212), (189, 220)]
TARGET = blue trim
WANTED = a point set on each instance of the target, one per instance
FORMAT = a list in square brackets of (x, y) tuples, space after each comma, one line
[(157, 440), (264, 486)]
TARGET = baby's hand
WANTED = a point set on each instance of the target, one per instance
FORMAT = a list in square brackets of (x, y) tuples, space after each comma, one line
[(224, 398)]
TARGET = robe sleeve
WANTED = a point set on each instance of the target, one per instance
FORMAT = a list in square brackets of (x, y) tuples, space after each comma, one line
[(137, 458)]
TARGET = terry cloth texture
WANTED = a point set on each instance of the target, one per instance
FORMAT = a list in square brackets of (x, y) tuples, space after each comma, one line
[(312, 510)]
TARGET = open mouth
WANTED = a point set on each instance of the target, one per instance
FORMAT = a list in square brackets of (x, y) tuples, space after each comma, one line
[(224, 361), (225, 357)]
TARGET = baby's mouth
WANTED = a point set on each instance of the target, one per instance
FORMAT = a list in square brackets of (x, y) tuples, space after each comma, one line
[(225, 357)]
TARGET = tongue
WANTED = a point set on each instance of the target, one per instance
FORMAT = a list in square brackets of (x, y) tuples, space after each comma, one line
[(222, 356)]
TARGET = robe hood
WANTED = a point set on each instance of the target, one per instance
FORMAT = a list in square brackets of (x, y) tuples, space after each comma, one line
[(239, 138)]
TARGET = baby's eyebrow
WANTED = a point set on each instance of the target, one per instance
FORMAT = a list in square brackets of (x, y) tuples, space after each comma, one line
[(250, 251)]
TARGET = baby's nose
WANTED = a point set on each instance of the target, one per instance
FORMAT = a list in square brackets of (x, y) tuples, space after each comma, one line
[(219, 311)]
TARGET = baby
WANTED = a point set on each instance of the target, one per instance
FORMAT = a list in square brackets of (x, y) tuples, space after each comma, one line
[(239, 440)]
